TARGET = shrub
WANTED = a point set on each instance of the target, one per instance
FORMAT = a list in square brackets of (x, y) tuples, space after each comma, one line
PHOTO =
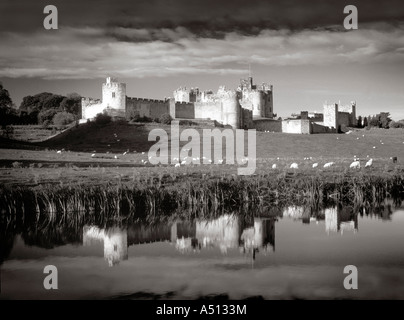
[(102, 118), (63, 118), (398, 124), (165, 118)]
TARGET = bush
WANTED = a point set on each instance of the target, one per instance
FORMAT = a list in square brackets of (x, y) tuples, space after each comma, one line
[(398, 124), (165, 118), (102, 118), (63, 118)]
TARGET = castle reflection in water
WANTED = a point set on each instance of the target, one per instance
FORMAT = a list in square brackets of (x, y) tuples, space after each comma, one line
[(228, 232)]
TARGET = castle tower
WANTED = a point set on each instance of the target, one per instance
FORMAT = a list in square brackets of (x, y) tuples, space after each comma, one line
[(115, 242), (331, 115), (115, 245), (223, 232), (264, 233), (257, 104), (114, 96), (231, 110)]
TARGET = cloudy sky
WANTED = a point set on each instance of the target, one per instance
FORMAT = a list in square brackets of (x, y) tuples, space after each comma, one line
[(155, 46)]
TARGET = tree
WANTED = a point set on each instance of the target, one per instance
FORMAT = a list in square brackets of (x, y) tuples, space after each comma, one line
[(6, 107), (396, 124), (384, 119), (46, 115), (359, 124), (72, 104), (365, 122), (63, 118), (374, 121)]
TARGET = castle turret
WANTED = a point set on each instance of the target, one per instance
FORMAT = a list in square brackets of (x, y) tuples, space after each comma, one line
[(114, 96), (231, 108)]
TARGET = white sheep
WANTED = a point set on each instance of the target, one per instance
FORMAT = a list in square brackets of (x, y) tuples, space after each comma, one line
[(355, 165), (369, 163), (177, 165), (315, 165), (328, 164), (274, 166), (294, 165)]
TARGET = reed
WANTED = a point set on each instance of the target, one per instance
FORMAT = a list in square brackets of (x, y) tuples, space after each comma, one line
[(202, 196)]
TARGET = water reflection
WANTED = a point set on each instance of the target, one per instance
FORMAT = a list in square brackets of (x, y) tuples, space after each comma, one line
[(225, 233), (115, 242), (337, 219)]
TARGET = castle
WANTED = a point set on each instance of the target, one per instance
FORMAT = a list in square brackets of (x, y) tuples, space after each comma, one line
[(235, 108), (250, 106)]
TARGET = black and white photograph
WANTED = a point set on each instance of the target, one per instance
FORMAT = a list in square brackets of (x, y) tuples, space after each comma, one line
[(218, 151)]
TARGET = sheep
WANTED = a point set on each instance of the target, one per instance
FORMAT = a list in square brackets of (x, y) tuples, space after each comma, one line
[(220, 161), (177, 165), (274, 166), (315, 165), (328, 164), (294, 165), (355, 165), (183, 162), (93, 155), (369, 163)]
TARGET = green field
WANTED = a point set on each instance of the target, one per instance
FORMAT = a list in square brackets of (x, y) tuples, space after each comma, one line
[(94, 154)]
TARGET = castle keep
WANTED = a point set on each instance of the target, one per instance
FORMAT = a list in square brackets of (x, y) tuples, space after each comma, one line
[(250, 106)]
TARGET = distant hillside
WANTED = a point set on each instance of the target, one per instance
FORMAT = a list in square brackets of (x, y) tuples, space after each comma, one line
[(113, 137)]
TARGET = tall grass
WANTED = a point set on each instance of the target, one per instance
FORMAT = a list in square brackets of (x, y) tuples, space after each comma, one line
[(152, 198)]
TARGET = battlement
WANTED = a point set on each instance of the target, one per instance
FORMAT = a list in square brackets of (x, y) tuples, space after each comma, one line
[(134, 99)]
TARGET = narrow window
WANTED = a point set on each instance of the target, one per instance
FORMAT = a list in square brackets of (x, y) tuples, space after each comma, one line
[(113, 94)]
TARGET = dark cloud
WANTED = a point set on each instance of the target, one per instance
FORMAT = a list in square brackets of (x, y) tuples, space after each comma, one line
[(208, 18)]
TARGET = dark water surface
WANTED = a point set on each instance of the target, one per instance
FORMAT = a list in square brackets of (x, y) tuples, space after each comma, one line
[(300, 254)]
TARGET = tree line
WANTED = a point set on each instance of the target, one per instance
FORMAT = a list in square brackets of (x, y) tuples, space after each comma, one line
[(43, 108), (381, 120)]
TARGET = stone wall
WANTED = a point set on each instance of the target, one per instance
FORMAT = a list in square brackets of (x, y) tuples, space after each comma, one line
[(296, 126), (90, 108), (149, 108), (184, 110), (351, 110), (209, 110), (268, 125), (319, 128), (344, 119)]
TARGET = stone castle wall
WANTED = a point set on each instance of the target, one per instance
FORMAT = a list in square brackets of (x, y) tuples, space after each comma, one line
[(150, 108), (270, 125), (299, 126)]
